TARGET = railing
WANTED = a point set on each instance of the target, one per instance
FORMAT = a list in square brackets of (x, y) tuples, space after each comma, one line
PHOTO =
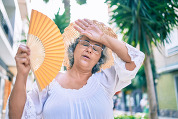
[(6, 30)]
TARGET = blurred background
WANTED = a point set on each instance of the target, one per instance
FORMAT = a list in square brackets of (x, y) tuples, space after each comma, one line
[(151, 26)]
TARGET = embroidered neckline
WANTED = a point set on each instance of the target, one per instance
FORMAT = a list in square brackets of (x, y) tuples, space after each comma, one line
[(84, 91)]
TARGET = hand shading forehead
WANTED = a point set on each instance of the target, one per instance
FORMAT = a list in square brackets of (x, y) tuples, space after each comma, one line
[(91, 41)]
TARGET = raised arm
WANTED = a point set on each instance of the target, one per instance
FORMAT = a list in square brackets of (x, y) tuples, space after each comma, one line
[(87, 28), (120, 49), (18, 96)]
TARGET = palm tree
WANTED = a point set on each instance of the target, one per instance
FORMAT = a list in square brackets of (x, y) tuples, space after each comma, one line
[(67, 6), (62, 21), (144, 23)]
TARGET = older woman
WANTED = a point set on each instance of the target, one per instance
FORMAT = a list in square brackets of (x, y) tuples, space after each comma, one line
[(81, 92)]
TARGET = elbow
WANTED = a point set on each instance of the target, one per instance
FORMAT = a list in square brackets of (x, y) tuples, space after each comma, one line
[(130, 66)]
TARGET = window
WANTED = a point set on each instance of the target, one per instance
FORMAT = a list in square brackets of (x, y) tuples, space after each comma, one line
[(172, 48), (176, 89)]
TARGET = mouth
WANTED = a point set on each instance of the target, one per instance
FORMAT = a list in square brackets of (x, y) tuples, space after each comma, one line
[(86, 57)]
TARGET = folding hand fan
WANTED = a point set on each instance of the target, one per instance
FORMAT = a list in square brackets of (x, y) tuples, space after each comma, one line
[(47, 48)]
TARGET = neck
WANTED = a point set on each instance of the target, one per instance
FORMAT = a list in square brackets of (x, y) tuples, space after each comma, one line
[(79, 74)]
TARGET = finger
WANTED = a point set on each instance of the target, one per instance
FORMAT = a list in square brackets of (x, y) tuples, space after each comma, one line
[(23, 48), (26, 47), (27, 62), (88, 34), (84, 23), (23, 45), (23, 61), (78, 29), (88, 21), (23, 55), (19, 49), (81, 25)]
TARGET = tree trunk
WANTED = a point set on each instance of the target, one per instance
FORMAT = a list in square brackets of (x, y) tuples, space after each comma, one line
[(130, 104), (67, 8), (150, 88)]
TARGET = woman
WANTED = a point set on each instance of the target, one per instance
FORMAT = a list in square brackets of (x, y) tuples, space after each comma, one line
[(80, 92)]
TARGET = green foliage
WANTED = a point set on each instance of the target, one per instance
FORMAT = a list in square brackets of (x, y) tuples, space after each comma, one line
[(62, 21), (24, 40), (81, 2), (145, 21), (140, 79), (46, 1), (28, 20), (130, 117)]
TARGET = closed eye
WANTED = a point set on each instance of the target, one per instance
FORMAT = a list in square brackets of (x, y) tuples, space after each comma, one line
[(85, 43), (94, 48)]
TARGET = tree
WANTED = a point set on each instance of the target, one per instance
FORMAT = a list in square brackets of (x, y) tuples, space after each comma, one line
[(144, 23), (67, 6), (62, 21)]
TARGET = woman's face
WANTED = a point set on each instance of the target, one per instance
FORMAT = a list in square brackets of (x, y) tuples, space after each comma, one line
[(87, 53)]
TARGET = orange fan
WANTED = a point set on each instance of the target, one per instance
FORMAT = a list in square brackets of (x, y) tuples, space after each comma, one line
[(47, 48)]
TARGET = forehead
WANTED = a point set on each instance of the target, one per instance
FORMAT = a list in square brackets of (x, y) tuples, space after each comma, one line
[(91, 41)]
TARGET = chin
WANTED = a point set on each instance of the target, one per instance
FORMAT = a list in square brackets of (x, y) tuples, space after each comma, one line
[(85, 64)]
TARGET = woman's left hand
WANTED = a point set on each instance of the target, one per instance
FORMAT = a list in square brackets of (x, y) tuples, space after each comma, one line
[(87, 28)]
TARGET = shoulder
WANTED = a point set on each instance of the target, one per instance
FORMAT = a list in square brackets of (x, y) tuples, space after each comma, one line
[(60, 76)]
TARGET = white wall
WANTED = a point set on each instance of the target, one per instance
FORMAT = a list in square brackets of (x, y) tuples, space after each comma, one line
[(17, 28), (173, 44)]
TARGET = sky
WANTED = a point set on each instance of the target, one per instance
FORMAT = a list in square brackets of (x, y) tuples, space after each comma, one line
[(94, 9)]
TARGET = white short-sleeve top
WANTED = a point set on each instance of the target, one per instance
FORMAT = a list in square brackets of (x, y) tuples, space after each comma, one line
[(92, 101)]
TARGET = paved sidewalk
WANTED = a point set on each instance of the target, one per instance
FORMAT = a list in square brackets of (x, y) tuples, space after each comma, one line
[(166, 118), (117, 112)]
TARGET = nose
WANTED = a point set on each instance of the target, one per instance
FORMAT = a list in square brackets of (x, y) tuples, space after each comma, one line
[(89, 49)]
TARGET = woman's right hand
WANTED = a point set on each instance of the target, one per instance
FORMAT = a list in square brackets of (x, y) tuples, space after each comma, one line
[(18, 95), (23, 60)]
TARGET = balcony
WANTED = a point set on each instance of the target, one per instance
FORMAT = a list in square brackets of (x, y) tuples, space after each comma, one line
[(6, 29), (7, 18)]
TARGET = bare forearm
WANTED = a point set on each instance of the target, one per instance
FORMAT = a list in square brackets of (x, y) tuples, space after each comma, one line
[(120, 49), (116, 46), (18, 98)]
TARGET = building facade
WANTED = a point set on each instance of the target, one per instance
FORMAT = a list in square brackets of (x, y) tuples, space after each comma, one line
[(166, 61), (13, 24)]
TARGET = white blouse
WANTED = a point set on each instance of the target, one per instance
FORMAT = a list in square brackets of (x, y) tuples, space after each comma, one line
[(92, 101)]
